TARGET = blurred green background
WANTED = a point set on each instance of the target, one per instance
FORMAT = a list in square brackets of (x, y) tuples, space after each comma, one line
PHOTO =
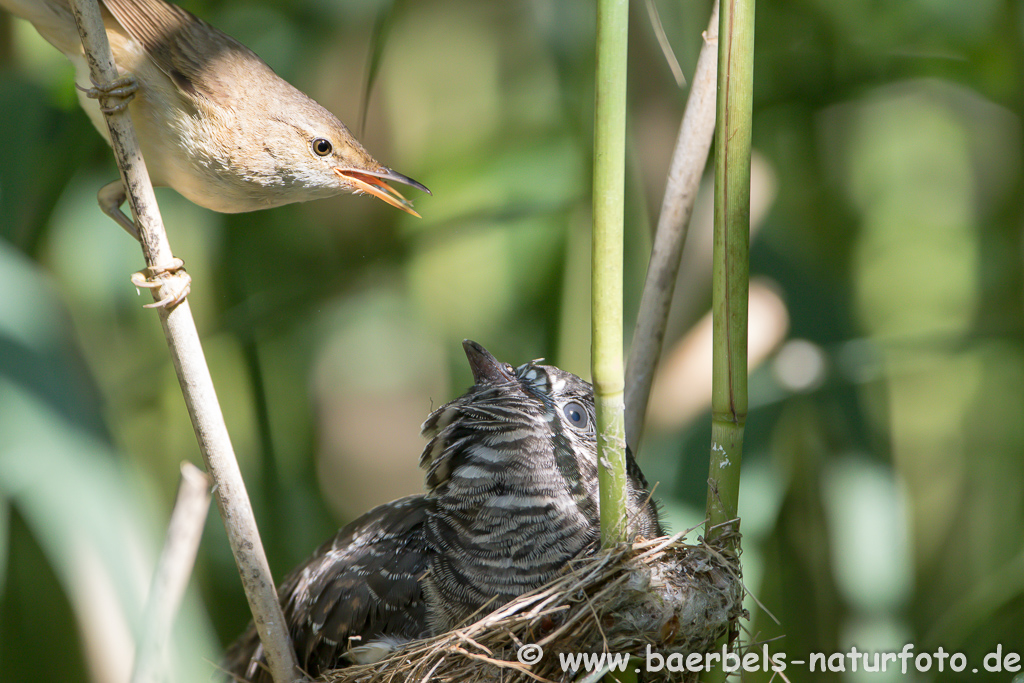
[(882, 501)]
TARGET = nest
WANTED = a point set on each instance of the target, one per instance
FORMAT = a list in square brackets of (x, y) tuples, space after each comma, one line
[(652, 596)]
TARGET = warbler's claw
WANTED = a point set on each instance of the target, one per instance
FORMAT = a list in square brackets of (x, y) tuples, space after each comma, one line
[(171, 274), (121, 91)]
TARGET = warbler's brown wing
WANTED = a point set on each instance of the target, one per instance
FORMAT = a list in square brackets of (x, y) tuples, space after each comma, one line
[(360, 587), (200, 59)]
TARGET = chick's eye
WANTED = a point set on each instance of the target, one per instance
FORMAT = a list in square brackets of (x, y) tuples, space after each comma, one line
[(576, 415), (321, 147)]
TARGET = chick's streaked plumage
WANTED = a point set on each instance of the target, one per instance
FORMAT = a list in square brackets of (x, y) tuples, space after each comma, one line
[(360, 587), (512, 495), (513, 481)]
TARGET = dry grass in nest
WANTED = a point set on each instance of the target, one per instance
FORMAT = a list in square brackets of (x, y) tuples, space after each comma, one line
[(663, 593)]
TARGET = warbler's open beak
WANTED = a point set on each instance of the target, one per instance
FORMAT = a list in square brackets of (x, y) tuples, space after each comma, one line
[(372, 182)]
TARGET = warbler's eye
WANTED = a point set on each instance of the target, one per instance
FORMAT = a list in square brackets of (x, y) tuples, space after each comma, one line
[(576, 415), (321, 147)]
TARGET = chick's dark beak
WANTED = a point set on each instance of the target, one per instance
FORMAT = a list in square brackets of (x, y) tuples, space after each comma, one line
[(374, 182), (486, 368)]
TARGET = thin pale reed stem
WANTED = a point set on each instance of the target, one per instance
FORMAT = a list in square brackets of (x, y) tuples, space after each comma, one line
[(190, 365), (688, 161)]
